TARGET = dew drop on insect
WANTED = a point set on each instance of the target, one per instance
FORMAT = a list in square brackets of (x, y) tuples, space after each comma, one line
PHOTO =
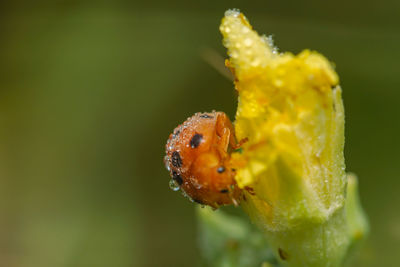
[(166, 161), (174, 185), (187, 196)]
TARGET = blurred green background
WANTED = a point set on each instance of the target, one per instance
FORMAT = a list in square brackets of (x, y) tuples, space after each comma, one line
[(90, 91)]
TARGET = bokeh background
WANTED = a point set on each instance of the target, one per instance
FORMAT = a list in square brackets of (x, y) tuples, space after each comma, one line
[(90, 90)]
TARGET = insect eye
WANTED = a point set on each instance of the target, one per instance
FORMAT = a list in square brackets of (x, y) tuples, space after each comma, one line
[(196, 140)]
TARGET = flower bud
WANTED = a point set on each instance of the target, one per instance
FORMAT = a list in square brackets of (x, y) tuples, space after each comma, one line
[(292, 167)]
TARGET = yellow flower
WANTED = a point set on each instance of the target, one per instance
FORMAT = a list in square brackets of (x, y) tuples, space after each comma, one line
[(292, 167)]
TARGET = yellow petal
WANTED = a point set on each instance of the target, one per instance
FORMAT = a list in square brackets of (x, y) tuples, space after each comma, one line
[(291, 111)]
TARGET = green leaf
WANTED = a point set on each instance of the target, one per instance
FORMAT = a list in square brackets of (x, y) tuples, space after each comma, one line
[(231, 241)]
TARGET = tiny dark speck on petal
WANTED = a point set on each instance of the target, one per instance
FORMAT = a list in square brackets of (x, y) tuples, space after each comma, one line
[(224, 191), (196, 140)]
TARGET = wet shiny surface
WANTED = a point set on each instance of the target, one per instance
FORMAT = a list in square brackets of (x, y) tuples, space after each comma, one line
[(91, 91)]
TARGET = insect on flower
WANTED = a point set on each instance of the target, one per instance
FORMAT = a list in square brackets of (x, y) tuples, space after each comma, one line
[(198, 159)]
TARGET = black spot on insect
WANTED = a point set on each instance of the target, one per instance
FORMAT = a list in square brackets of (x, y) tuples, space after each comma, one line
[(221, 169), (176, 159), (282, 254), (198, 201), (177, 178), (206, 116), (224, 191), (176, 133), (196, 140)]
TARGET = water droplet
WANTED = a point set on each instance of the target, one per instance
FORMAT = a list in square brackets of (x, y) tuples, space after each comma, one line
[(232, 12), (245, 30), (174, 185), (226, 42), (186, 196), (248, 42), (270, 42), (255, 63), (234, 54), (197, 185), (278, 83), (166, 162)]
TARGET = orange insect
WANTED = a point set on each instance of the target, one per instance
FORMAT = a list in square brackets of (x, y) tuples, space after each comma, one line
[(198, 159)]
